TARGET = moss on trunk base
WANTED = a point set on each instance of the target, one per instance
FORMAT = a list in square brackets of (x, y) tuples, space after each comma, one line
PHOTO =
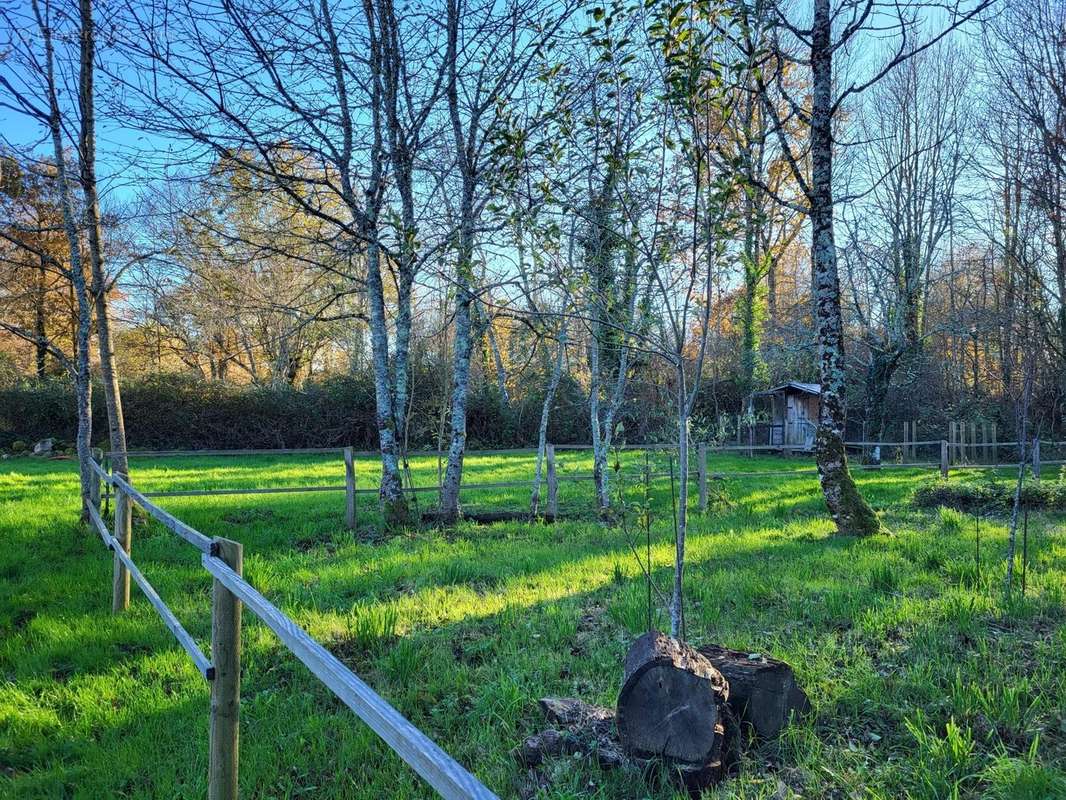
[(851, 513), (397, 514)]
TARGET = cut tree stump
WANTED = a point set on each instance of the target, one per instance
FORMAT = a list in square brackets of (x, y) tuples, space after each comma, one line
[(763, 692), (585, 729), (679, 713), (434, 517), (672, 705)]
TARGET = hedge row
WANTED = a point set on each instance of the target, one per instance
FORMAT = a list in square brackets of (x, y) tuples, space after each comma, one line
[(990, 496), (176, 412)]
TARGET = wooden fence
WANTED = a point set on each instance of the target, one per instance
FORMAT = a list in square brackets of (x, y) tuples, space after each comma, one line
[(944, 454), (223, 560)]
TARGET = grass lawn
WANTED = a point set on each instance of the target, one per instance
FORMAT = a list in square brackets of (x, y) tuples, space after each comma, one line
[(924, 682)]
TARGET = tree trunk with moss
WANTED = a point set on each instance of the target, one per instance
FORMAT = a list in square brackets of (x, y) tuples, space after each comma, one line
[(751, 313), (850, 512)]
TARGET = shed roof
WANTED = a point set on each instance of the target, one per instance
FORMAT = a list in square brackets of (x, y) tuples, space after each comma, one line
[(805, 388)]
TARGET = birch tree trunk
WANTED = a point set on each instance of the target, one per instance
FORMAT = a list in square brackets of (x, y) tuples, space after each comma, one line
[(850, 512), (389, 386), (463, 346), (116, 423), (545, 413), (82, 377), (403, 141), (390, 492)]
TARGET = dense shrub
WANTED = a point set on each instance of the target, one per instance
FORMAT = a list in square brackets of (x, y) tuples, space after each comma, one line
[(990, 496), (181, 412)]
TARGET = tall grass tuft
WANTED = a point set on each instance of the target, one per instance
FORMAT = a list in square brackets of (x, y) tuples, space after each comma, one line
[(950, 520), (368, 627), (883, 578), (942, 765)]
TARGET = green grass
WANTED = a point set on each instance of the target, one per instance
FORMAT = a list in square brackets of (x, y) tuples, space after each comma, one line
[(924, 682)]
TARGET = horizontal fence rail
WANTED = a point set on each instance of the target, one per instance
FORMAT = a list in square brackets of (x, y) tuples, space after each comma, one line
[(201, 661), (553, 476), (450, 779), (409, 489), (903, 454), (438, 769), (169, 521)]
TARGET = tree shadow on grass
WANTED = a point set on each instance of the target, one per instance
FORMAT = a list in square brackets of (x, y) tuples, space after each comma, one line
[(488, 621), (471, 681)]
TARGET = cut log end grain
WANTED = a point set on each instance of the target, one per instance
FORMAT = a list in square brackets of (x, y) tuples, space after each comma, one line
[(671, 704), (763, 692), (679, 713)]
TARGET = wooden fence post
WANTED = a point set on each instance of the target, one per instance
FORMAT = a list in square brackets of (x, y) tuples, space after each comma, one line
[(995, 445), (94, 479), (120, 585), (984, 441), (906, 435), (943, 458), (553, 482), (701, 467), (1036, 458), (226, 686), (349, 488), (974, 457), (107, 486)]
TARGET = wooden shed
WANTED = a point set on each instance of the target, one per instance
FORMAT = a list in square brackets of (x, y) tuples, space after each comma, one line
[(793, 414)]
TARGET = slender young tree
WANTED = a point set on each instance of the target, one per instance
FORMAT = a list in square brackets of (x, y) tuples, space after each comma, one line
[(492, 50), (34, 91), (703, 76), (101, 284)]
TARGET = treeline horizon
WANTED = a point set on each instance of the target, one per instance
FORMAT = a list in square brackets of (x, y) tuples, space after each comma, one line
[(181, 411)]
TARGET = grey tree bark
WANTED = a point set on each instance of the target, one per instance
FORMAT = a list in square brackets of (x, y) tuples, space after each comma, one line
[(100, 283), (465, 141), (545, 414), (76, 272), (849, 510), (497, 46)]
